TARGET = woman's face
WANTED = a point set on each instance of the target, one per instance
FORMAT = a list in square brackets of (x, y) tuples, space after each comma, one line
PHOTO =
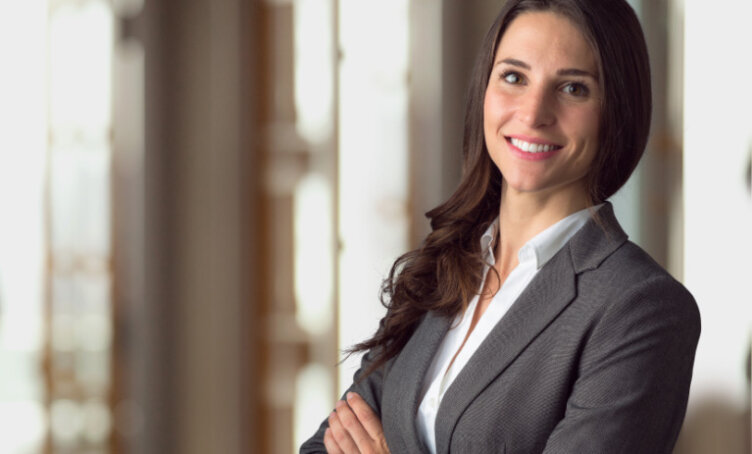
[(542, 107)]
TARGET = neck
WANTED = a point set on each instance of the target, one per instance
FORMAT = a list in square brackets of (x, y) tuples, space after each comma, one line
[(524, 215)]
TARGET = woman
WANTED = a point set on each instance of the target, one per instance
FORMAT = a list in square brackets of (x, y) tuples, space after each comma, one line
[(527, 322)]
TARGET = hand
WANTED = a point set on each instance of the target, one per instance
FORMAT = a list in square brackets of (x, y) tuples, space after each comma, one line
[(354, 429)]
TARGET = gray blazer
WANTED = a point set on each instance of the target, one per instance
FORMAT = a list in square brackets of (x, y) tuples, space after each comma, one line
[(595, 356)]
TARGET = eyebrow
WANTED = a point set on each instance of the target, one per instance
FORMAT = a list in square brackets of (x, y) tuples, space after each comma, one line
[(561, 72)]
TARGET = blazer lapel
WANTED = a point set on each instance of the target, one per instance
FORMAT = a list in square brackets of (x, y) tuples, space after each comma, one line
[(404, 382), (540, 303), (544, 298)]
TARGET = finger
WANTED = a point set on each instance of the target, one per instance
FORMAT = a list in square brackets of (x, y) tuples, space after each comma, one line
[(341, 435), (354, 426), (330, 443), (367, 417)]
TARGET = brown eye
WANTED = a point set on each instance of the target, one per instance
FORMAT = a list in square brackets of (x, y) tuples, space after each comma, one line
[(576, 89), (512, 78)]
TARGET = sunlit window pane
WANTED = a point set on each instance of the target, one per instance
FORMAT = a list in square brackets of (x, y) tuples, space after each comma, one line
[(314, 267), (717, 214), (373, 160), (27, 420), (79, 299), (79, 180), (80, 51), (23, 141)]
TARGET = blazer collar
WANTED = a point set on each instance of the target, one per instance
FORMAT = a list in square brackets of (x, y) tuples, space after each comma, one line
[(597, 239)]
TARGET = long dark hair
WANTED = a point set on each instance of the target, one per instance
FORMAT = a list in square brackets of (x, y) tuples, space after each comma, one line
[(444, 273)]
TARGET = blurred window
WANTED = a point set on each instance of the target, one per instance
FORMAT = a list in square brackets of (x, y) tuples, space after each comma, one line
[(373, 162), (55, 273), (23, 142)]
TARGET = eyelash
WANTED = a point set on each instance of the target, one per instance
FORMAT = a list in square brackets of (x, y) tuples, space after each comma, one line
[(584, 90)]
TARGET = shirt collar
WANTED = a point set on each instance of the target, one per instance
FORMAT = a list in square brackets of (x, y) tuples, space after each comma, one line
[(487, 241), (542, 247)]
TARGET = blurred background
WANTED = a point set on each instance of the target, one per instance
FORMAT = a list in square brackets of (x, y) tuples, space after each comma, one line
[(200, 199)]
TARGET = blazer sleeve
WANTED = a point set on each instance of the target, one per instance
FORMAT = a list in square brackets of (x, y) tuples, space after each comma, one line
[(369, 388), (631, 392)]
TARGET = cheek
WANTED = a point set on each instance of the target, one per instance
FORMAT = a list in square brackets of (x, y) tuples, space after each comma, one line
[(495, 110), (582, 125), (487, 111), (590, 141), (592, 131), (592, 118)]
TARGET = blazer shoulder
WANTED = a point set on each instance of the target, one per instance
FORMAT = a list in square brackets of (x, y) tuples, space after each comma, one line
[(631, 277), (632, 265)]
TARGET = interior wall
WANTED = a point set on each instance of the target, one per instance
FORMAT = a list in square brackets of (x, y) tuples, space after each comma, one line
[(199, 241), (660, 180)]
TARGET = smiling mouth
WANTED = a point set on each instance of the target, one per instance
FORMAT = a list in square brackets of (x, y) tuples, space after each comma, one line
[(529, 147)]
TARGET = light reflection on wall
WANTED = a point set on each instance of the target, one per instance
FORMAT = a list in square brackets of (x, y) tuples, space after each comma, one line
[(312, 405), (314, 264), (314, 68), (314, 214)]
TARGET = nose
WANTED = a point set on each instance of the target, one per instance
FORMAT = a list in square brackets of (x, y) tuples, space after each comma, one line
[(536, 108)]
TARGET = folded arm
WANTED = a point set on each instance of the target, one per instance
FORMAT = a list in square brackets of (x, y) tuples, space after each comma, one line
[(367, 393)]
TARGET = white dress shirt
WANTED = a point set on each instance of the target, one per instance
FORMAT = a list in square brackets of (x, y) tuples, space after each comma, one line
[(532, 256)]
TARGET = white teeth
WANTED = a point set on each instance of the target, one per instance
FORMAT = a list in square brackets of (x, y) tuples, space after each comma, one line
[(532, 147)]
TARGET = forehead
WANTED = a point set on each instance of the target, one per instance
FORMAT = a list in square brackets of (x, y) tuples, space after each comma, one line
[(547, 37)]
